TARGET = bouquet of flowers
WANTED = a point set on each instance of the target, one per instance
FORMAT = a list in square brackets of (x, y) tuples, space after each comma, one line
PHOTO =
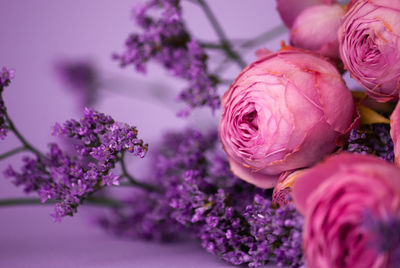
[(302, 171)]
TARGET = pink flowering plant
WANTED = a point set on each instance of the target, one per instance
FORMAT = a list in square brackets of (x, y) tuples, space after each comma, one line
[(302, 170)]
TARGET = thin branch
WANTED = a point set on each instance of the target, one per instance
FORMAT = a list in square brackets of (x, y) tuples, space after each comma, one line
[(132, 180), (103, 201), (26, 144), (95, 201), (210, 45), (12, 152), (265, 37), (225, 44)]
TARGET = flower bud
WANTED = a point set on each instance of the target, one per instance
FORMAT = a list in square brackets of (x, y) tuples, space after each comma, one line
[(316, 29)]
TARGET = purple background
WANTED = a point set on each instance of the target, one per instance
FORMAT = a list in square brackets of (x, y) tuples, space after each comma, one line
[(34, 35)]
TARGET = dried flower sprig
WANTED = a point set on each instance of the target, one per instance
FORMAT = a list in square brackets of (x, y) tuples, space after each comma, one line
[(233, 220), (372, 139), (100, 143), (6, 75)]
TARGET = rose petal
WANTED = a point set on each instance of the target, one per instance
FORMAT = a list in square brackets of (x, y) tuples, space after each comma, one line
[(395, 133), (315, 28), (262, 52), (311, 179), (290, 9), (258, 179)]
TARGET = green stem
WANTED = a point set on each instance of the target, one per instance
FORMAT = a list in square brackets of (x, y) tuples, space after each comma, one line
[(95, 201), (132, 180), (26, 144), (211, 45), (12, 152), (265, 37), (225, 44)]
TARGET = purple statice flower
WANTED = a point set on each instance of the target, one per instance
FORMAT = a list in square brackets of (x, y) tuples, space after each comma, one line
[(257, 235), (143, 216), (277, 231), (100, 143), (6, 75), (81, 77), (165, 39), (385, 235), (57, 176), (221, 210), (374, 139), (202, 198), (98, 136)]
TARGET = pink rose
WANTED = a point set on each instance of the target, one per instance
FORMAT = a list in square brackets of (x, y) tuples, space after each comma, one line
[(285, 111), (316, 29), (334, 196), (290, 9), (369, 45), (395, 133)]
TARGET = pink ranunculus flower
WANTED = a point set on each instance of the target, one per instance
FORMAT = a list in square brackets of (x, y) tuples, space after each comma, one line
[(395, 133), (334, 196), (316, 29), (285, 111), (369, 46), (290, 9)]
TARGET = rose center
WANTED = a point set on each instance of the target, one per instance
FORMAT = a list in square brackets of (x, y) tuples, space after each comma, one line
[(370, 50), (251, 120)]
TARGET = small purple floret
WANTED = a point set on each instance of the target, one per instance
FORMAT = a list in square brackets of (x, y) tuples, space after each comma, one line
[(374, 139), (202, 198), (165, 39), (6, 75), (70, 179)]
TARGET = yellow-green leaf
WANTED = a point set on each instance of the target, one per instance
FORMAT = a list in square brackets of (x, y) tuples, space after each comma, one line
[(369, 116)]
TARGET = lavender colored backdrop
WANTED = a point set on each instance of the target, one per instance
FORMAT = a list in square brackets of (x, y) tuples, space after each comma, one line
[(34, 35)]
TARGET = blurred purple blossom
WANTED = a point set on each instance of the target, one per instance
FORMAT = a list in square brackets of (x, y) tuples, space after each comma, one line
[(374, 139), (385, 235), (81, 77), (202, 198), (99, 142), (165, 39)]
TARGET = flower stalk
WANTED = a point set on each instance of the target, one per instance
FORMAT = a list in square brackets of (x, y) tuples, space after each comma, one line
[(225, 43), (95, 201)]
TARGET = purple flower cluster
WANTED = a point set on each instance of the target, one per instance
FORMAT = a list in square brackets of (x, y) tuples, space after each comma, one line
[(257, 235), (385, 235), (97, 135), (145, 216), (165, 39), (99, 143), (6, 75), (374, 139), (81, 77), (201, 197)]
